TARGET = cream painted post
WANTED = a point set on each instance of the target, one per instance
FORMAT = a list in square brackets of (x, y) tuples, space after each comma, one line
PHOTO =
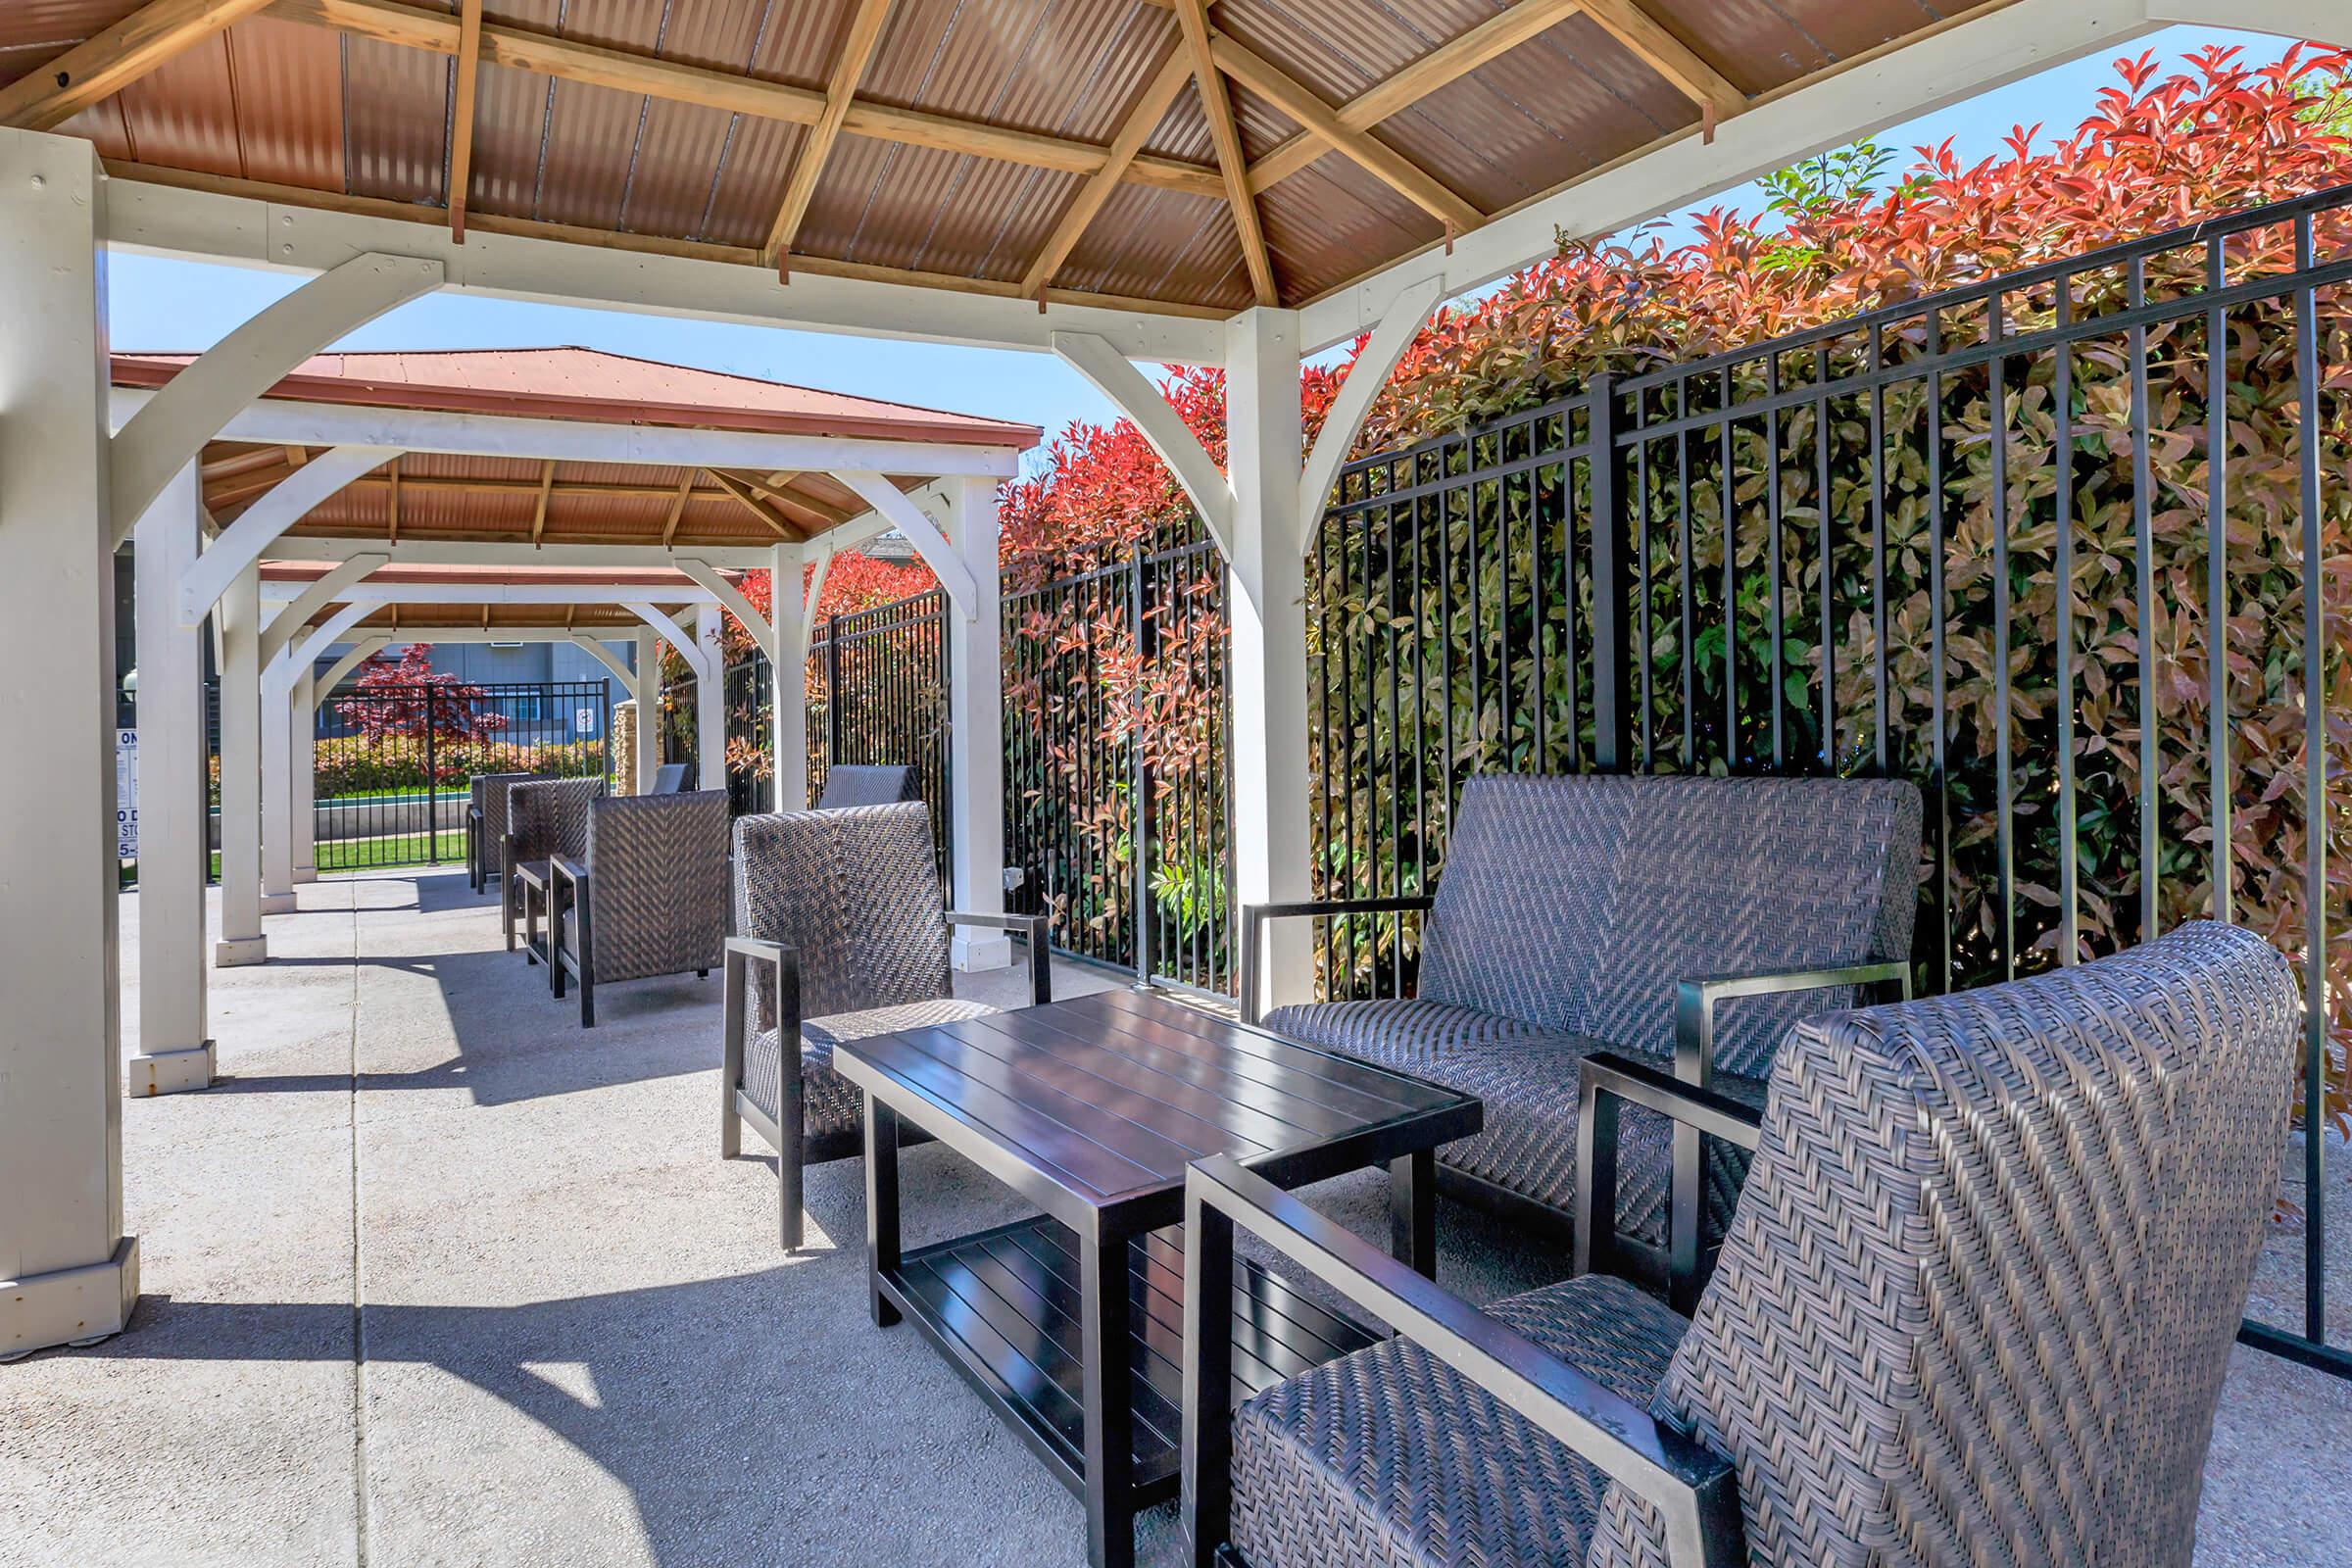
[(789, 690), (240, 613), (68, 1274), (277, 784), (976, 729), (648, 693), (176, 1048), (1268, 594), (710, 703), (305, 771)]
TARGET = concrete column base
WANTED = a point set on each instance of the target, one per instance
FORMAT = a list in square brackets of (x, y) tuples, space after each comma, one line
[(70, 1305), (981, 950), (277, 904), (170, 1073), (236, 953), (305, 873)]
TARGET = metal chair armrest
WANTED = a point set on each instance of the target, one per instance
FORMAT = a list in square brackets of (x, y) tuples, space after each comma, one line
[(735, 967), (1255, 915), (1695, 1000), (1034, 928), (1694, 1490), (1609, 1082)]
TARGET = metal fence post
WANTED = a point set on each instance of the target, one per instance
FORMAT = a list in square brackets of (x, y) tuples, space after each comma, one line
[(432, 784), (1138, 782), (1612, 556), (832, 691)]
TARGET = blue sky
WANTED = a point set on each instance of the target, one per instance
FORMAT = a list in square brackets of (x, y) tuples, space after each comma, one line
[(159, 303)]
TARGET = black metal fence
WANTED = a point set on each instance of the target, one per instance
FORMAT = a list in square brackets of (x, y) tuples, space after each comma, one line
[(1969, 540), (394, 763), (878, 694), (1117, 783)]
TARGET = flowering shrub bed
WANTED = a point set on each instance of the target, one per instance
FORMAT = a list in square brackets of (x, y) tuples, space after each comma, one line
[(358, 764)]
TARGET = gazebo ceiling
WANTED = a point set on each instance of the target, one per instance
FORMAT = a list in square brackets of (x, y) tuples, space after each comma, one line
[(444, 496), (1165, 155)]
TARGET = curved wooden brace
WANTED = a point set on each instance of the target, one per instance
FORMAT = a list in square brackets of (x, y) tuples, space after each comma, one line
[(1399, 325), (278, 674), (603, 656), (296, 615), (877, 492), (257, 527), (1109, 370), (675, 635), (728, 593), (365, 647), (173, 426)]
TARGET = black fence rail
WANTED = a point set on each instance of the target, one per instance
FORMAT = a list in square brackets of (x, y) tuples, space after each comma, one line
[(1117, 784), (2006, 540), (394, 763)]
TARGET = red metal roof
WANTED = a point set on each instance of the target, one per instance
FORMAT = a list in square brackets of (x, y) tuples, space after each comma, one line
[(652, 578), (591, 385)]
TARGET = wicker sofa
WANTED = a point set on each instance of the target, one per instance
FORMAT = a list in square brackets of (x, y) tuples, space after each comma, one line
[(1976, 1307), (1687, 921)]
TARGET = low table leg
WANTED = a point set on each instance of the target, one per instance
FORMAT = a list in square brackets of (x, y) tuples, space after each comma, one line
[(1108, 1394), (1413, 1211), (881, 1205)]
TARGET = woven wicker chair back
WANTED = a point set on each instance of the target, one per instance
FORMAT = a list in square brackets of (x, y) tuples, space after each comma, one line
[(549, 816), (658, 869), (857, 892), (1576, 902), (1981, 1292), (489, 792), (861, 784)]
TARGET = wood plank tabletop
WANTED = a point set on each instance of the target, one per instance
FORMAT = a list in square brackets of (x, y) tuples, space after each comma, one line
[(1108, 1097)]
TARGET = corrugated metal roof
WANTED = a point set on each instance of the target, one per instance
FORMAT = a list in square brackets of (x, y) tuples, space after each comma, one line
[(288, 102)]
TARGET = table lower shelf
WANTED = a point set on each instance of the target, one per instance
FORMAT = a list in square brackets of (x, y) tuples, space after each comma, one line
[(1003, 1306)]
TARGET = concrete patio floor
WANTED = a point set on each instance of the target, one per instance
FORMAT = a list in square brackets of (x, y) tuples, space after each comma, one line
[(435, 1277)]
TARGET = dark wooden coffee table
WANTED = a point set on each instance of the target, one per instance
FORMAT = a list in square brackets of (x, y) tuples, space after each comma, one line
[(1092, 1108)]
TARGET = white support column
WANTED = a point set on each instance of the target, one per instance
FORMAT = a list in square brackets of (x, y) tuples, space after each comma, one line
[(176, 1047), (306, 765), (1268, 597), (277, 784), (788, 723), (68, 1274), (977, 730), (710, 703), (240, 612), (648, 695)]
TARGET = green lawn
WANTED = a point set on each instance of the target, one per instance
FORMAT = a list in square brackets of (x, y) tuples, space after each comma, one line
[(392, 851)]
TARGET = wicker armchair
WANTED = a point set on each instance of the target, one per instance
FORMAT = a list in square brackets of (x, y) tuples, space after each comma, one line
[(850, 784), (1686, 921), (486, 823), (1976, 1307), (648, 895), (545, 818), (838, 914)]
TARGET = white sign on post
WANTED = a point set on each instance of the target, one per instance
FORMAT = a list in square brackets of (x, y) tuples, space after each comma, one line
[(126, 794), (584, 720)]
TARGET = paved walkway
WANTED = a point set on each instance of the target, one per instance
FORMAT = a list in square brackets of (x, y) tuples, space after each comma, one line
[(435, 1277)]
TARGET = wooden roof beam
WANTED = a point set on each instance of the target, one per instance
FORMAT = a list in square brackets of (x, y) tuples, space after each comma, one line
[(547, 488), (1175, 69), (1443, 66), (625, 70), (677, 507), (1649, 40), (1375, 157), (460, 135), (95, 70), (849, 68), (740, 488), (1232, 163)]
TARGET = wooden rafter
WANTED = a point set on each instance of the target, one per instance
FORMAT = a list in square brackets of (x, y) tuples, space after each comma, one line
[(392, 506), (1649, 41), (1175, 69), (625, 70), (460, 135), (777, 487), (849, 68), (741, 489), (1232, 163), (677, 507), (1377, 158), (102, 66), (1449, 63), (547, 488)]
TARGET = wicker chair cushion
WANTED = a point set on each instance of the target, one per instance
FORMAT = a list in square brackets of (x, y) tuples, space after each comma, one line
[(830, 1105), (1576, 902), (658, 884), (1386, 1458), (1528, 1080), (1982, 1287)]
